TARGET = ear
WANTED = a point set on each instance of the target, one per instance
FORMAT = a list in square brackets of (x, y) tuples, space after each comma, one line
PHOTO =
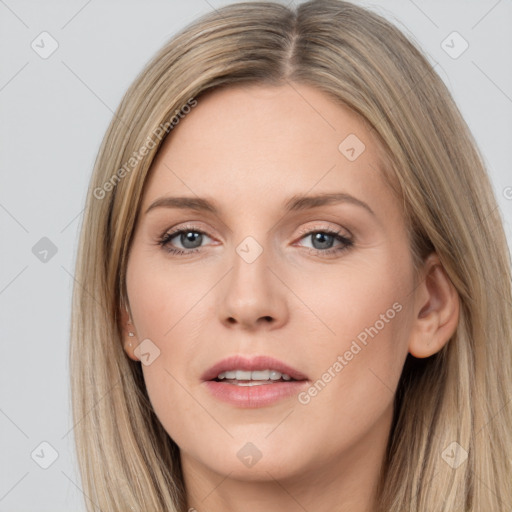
[(436, 310), (129, 342)]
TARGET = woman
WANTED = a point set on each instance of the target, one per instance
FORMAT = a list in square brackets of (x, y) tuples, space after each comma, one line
[(295, 285)]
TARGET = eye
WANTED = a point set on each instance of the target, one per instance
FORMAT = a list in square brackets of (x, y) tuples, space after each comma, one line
[(189, 237), (323, 241)]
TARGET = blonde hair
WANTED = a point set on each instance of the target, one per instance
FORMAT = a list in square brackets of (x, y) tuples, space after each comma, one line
[(126, 459)]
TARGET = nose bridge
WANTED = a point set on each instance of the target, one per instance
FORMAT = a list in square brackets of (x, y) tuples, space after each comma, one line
[(252, 293), (250, 279)]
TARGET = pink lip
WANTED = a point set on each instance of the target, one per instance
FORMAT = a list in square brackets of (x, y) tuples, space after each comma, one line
[(239, 362), (253, 396)]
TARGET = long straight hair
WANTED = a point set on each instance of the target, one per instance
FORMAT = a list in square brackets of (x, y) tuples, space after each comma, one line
[(460, 395)]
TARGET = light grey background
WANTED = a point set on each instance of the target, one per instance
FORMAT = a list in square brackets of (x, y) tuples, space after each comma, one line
[(53, 114)]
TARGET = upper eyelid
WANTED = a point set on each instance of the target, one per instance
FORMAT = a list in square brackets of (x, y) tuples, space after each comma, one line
[(192, 226), (331, 228)]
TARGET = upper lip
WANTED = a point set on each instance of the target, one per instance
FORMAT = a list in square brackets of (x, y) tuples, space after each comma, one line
[(252, 363)]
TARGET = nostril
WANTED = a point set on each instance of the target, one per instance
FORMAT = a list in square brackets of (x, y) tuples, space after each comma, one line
[(266, 318)]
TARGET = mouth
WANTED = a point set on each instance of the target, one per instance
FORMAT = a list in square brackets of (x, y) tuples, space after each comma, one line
[(253, 378), (253, 382), (258, 369)]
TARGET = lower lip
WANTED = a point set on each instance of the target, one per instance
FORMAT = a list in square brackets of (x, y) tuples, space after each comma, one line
[(260, 395)]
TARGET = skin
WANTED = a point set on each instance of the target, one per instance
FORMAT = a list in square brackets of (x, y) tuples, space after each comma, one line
[(249, 149)]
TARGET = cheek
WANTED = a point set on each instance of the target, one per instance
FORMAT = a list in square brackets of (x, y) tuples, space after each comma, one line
[(360, 344), (162, 296), (169, 309), (346, 303)]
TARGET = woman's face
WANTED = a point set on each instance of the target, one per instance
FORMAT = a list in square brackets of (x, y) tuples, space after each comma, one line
[(320, 290)]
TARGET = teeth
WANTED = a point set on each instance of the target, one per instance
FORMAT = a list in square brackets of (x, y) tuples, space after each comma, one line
[(243, 375), (257, 375), (260, 375)]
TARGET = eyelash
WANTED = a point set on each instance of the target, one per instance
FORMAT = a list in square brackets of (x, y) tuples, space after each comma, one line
[(165, 239)]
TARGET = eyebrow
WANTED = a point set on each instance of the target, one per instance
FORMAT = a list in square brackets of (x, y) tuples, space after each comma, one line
[(295, 203)]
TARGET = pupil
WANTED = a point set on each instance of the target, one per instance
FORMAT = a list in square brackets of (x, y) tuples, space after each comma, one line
[(190, 236), (320, 237)]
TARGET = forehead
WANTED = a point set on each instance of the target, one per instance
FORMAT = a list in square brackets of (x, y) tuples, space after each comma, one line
[(259, 143)]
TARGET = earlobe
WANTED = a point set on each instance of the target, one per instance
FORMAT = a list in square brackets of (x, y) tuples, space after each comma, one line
[(128, 334), (436, 310), (130, 346)]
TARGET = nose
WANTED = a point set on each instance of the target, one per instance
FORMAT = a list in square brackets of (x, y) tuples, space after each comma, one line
[(253, 296)]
